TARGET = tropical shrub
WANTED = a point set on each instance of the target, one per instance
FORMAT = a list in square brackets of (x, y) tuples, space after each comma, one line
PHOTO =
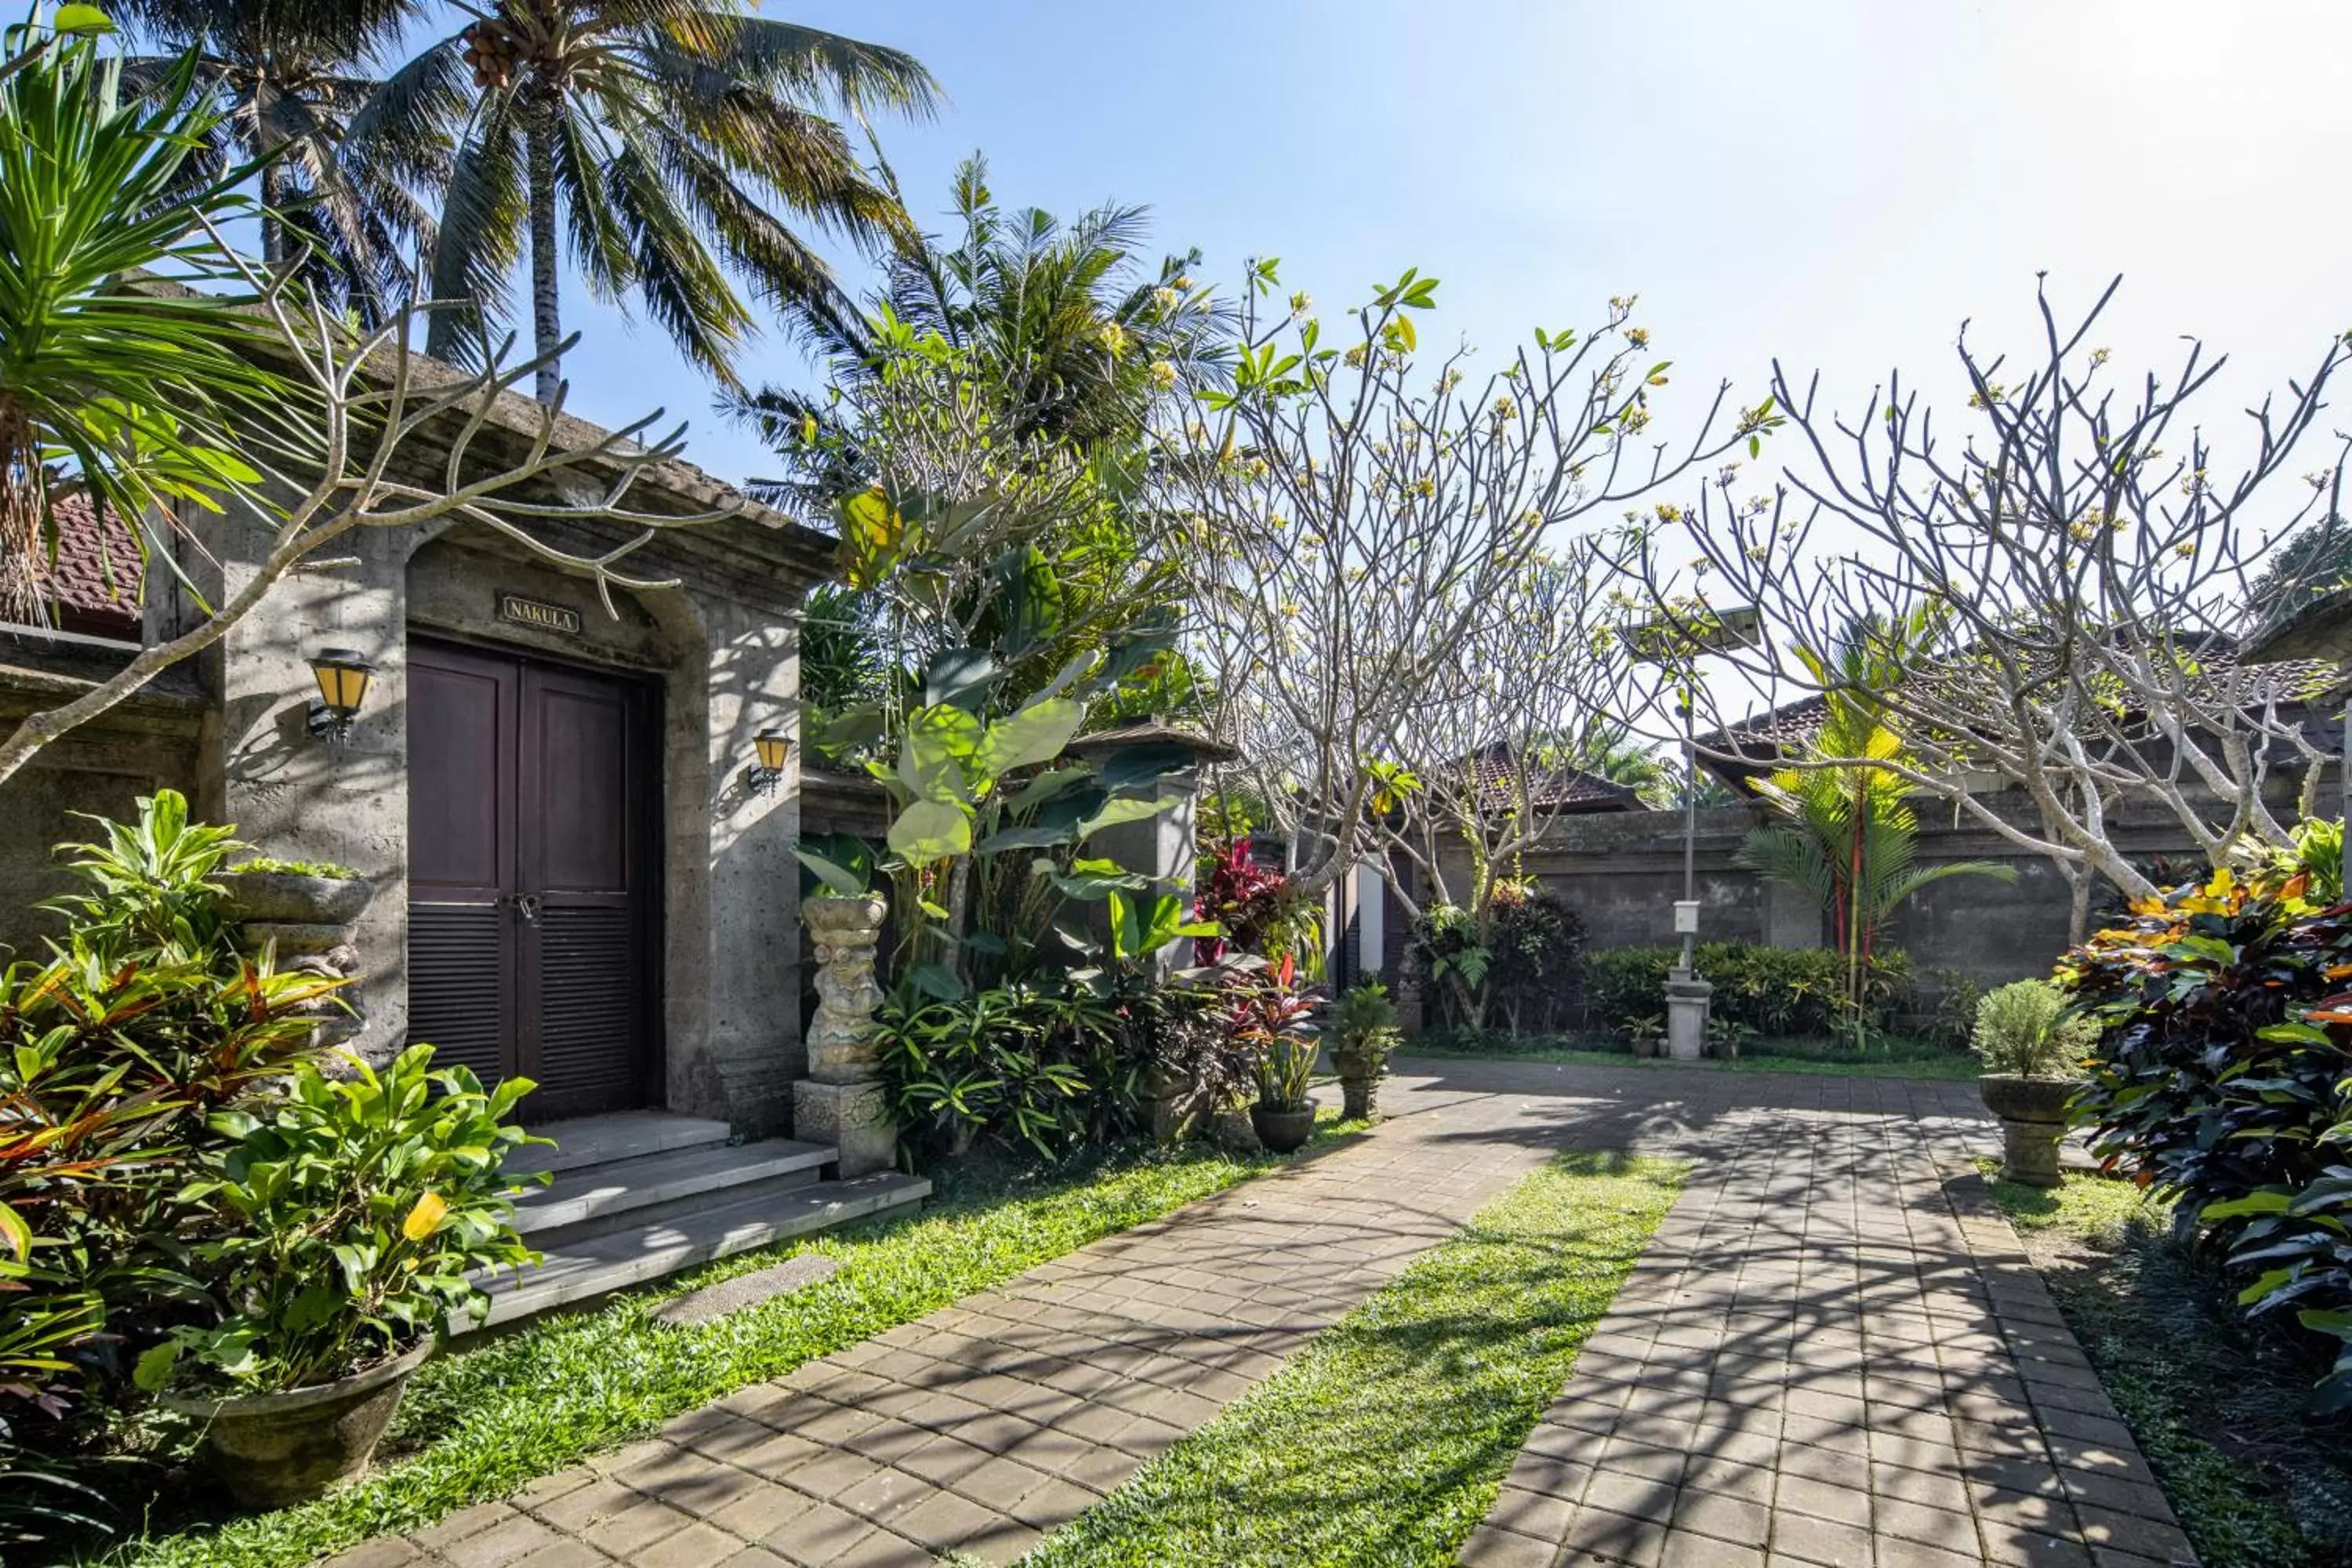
[(359, 1213), (2220, 1079), (115, 1056), (1362, 1029), (1273, 1022), (1259, 913), (2028, 1029), (1775, 991), (1535, 945), (1956, 993), (1050, 1066)]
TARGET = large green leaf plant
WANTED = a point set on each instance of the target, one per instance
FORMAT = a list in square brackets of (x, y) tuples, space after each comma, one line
[(992, 817)]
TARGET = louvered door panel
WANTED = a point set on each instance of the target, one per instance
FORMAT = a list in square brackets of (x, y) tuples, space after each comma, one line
[(458, 979), (588, 1003), (585, 839)]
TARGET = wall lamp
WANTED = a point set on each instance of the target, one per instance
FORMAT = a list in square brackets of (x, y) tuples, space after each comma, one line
[(343, 676), (775, 749)]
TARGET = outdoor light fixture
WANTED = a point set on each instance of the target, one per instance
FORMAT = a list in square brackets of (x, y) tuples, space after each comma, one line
[(344, 678), (775, 748)]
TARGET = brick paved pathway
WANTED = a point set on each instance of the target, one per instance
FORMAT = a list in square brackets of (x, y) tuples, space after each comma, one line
[(1833, 1353)]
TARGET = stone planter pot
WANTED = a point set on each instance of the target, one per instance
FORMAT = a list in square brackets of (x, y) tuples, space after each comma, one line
[(1282, 1131), (282, 898), (1359, 1085), (271, 1450), (2032, 1112)]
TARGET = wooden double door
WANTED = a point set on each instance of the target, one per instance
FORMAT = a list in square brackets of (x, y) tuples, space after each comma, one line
[(532, 876)]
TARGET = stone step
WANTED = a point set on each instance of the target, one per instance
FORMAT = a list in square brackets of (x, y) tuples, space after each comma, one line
[(583, 1269), (616, 1135), (590, 1200)]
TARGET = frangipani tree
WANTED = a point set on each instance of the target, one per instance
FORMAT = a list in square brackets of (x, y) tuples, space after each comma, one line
[(2082, 560), (1361, 510), (1474, 780)]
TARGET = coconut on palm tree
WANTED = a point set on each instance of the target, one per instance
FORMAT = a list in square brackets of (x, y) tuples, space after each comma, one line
[(656, 143), (292, 80)]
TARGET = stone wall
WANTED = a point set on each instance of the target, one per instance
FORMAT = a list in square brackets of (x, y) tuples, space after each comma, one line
[(1624, 872), (101, 769)]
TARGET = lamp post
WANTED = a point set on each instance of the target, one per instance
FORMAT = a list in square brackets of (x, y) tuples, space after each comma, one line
[(1677, 644)]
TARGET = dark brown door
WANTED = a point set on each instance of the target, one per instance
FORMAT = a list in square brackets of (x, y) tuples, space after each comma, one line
[(531, 875)]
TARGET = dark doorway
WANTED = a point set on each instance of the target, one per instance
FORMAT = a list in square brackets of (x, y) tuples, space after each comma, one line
[(531, 875)]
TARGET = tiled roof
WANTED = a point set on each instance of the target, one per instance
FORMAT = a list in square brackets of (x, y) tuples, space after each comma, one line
[(1768, 736), (1562, 789), (95, 572)]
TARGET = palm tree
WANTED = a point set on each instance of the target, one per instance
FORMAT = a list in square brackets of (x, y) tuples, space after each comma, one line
[(1070, 329), (1847, 835), (291, 81), (657, 139), (133, 398)]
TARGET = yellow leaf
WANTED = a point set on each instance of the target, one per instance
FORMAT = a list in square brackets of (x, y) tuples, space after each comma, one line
[(423, 1218)]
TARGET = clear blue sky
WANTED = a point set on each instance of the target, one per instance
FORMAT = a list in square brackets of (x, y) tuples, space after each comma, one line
[(1838, 184)]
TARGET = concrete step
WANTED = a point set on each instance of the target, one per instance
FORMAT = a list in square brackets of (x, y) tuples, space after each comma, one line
[(592, 1199), (617, 1135), (583, 1269)]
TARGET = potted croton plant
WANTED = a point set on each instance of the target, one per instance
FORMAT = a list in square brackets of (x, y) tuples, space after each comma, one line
[(358, 1214), (2033, 1048), (1274, 1019)]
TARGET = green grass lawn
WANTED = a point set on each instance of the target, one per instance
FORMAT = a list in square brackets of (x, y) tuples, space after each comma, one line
[(479, 1424), (2216, 1403), (1385, 1441), (1893, 1058)]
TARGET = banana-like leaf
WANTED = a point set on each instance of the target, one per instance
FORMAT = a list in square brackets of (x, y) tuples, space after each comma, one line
[(1029, 837), (1142, 765), (931, 830), (961, 677), (941, 741), (1115, 812), (936, 981), (1036, 734), (1044, 787), (841, 878)]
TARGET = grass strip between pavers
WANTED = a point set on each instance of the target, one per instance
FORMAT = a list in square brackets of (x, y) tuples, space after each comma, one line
[(2216, 1403), (1387, 1439), (487, 1420)]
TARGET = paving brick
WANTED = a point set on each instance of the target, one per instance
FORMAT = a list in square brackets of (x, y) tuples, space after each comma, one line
[(502, 1546), (1833, 1319), (388, 1552)]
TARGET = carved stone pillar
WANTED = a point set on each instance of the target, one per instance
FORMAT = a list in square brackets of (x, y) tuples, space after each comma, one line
[(841, 1102)]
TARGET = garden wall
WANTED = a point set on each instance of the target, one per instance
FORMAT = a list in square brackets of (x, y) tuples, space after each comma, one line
[(1622, 872), (98, 769)]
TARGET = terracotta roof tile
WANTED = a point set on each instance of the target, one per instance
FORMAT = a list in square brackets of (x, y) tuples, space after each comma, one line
[(95, 572), (1562, 789)]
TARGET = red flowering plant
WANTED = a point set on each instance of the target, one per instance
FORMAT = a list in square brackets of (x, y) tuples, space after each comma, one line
[(1243, 897), (1274, 1021)]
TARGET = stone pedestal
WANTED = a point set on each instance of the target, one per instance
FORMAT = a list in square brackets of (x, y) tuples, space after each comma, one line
[(1687, 1008), (841, 1102), (306, 923)]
